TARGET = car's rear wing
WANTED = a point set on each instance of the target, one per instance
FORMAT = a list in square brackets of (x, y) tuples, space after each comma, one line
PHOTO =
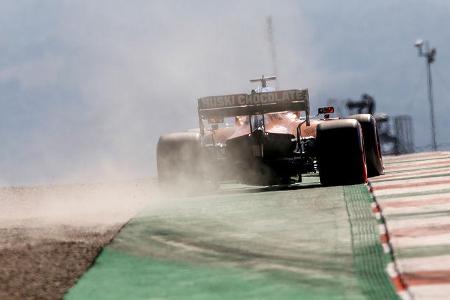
[(253, 104)]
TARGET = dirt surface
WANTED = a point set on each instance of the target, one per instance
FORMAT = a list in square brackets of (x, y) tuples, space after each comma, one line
[(49, 236)]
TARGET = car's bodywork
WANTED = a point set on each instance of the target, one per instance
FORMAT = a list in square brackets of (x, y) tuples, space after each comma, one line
[(269, 134), (268, 137)]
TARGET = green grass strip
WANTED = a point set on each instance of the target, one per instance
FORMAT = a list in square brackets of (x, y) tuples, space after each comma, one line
[(123, 276), (331, 259), (420, 214), (369, 259), (423, 251)]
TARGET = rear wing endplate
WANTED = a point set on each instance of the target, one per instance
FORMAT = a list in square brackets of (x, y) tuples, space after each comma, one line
[(253, 104)]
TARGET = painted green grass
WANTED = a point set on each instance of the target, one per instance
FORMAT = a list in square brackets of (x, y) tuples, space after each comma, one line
[(369, 260), (252, 244), (121, 276)]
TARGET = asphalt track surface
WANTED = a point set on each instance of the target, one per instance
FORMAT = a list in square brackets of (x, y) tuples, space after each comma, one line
[(298, 242)]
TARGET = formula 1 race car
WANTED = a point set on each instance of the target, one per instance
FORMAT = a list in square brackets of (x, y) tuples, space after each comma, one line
[(267, 137)]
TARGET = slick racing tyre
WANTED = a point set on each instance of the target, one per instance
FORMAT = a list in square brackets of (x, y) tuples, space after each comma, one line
[(372, 148), (340, 153), (178, 158)]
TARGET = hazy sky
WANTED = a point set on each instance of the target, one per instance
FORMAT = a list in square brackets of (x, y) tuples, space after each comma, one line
[(87, 87)]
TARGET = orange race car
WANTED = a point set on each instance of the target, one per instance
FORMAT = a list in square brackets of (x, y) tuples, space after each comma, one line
[(268, 137)]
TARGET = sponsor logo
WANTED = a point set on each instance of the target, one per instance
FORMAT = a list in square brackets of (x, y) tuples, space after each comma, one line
[(252, 99)]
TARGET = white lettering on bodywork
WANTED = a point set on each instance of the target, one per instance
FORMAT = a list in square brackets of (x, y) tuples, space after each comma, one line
[(253, 99)]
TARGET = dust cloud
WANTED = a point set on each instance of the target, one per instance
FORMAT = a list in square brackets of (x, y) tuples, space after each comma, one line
[(109, 78), (88, 87), (87, 205)]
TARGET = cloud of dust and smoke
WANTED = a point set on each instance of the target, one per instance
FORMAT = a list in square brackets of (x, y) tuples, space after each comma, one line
[(87, 87), (93, 84)]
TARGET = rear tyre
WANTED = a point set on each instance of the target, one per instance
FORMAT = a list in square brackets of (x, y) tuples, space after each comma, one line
[(178, 158), (340, 153), (372, 148)]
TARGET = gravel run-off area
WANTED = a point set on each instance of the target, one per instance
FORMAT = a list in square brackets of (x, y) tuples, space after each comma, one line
[(50, 235)]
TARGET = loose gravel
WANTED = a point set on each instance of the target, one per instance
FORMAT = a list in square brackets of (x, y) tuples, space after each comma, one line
[(49, 236)]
